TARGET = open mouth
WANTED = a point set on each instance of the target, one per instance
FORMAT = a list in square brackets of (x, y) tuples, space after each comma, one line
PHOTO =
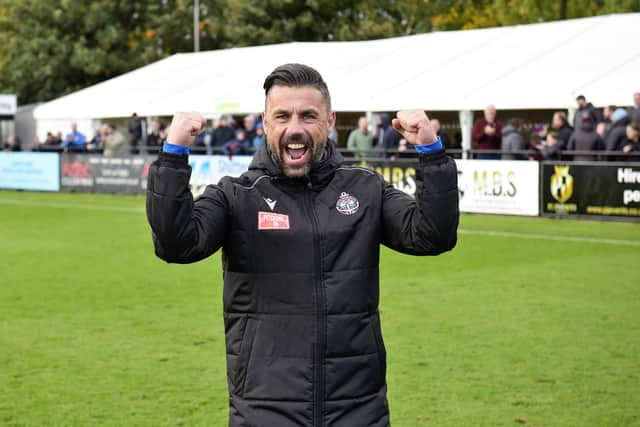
[(296, 151)]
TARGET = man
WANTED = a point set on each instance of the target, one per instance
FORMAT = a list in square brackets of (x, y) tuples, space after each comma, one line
[(585, 107), (512, 140), (560, 124), (585, 138), (300, 234), (222, 133), (135, 132), (250, 126), (360, 140), (487, 134), (616, 136), (632, 140), (115, 143), (441, 132), (74, 141)]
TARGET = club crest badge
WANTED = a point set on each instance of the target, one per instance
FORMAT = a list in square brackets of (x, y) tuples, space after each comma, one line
[(347, 204)]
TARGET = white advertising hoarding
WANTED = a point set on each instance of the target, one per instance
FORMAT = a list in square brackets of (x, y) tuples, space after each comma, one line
[(499, 186)]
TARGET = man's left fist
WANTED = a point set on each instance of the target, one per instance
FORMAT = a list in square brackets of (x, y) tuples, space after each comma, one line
[(415, 127)]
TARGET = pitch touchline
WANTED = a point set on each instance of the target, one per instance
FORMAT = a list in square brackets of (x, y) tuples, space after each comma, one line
[(549, 237), (69, 206), (495, 233)]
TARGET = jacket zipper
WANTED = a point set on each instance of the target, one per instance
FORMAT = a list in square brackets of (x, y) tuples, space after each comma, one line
[(318, 363)]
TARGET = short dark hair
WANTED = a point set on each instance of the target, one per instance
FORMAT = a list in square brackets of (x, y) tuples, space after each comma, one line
[(297, 75), (580, 98)]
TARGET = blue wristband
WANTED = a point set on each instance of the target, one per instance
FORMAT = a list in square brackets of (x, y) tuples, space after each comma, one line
[(430, 148), (168, 147)]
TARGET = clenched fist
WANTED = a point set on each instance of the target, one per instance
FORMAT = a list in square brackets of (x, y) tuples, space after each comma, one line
[(415, 127), (185, 127)]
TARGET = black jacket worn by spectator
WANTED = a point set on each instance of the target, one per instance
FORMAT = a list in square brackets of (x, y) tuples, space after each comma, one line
[(585, 138), (300, 258), (564, 134), (617, 135)]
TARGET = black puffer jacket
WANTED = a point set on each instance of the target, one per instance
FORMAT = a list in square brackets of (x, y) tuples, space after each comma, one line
[(300, 257)]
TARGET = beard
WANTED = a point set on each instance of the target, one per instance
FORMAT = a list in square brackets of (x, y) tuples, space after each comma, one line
[(315, 149)]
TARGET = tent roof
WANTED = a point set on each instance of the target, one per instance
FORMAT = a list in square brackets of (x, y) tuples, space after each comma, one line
[(536, 66)]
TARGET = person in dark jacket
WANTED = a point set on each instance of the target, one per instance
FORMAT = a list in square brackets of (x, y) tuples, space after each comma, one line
[(512, 140), (586, 107), (560, 124), (585, 138), (617, 133), (300, 234), (223, 133)]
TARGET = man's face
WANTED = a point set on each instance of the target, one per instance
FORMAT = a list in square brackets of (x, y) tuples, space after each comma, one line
[(557, 121), (636, 99), (490, 113), (249, 122), (606, 112), (581, 103), (296, 121), (632, 133), (363, 124), (74, 127)]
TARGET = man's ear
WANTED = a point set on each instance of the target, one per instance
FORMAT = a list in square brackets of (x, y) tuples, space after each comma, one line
[(264, 123), (332, 120)]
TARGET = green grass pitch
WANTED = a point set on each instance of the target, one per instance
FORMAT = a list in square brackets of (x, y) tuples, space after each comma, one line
[(528, 321)]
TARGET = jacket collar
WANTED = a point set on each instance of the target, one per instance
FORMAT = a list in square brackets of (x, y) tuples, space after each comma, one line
[(321, 171)]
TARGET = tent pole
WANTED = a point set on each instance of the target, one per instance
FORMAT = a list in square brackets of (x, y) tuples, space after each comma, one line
[(466, 123)]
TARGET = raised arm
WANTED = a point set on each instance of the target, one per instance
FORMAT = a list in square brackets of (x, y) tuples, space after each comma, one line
[(184, 230), (426, 225)]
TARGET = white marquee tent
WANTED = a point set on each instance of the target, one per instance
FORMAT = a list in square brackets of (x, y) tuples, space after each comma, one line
[(537, 66)]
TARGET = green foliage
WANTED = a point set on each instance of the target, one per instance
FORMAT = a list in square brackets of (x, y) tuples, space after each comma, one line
[(96, 331)]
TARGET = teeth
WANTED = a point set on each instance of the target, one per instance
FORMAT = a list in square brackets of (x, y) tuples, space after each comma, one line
[(295, 146)]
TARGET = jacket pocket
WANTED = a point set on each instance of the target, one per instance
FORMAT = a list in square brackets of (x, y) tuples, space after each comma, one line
[(244, 357), (382, 353)]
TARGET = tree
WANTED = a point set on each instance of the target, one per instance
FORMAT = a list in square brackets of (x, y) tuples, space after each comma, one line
[(54, 47)]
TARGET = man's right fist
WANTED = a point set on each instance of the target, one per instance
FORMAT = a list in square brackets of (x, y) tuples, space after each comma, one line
[(184, 128)]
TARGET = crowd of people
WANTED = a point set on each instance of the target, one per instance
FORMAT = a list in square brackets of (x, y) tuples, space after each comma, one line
[(611, 130), (594, 134)]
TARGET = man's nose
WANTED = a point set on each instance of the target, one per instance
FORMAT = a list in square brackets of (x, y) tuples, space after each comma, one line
[(295, 126)]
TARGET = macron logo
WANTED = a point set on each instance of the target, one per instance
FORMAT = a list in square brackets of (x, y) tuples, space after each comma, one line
[(270, 203)]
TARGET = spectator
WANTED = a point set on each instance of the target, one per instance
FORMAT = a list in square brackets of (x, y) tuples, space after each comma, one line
[(259, 138), (386, 137), (586, 107), (75, 141), (585, 138), (560, 124), (223, 133), (250, 126), (546, 150), (487, 133), (202, 143), (115, 143), (632, 142), (512, 140), (95, 144), (360, 139), (12, 144), (605, 124), (135, 132), (154, 140), (240, 145), (634, 112), (442, 133), (617, 134)]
